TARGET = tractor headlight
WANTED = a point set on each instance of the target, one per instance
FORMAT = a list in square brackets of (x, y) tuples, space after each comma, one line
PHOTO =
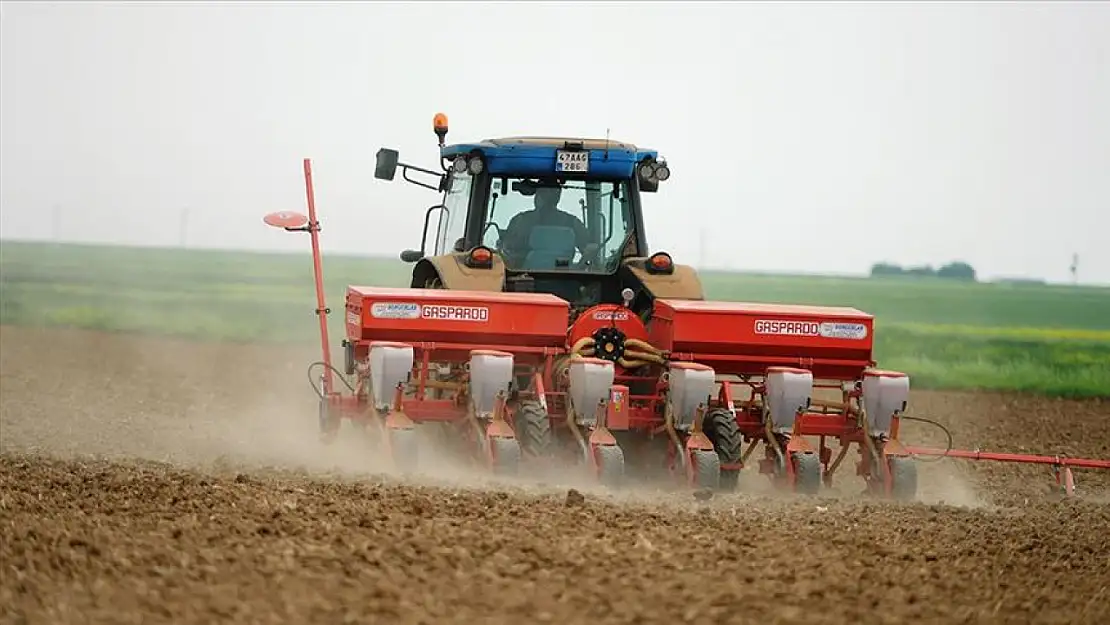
[(459, 165), (662, 172), (475, 165), (647, 170)]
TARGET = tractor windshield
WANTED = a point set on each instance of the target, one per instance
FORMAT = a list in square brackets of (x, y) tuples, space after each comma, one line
[(553, 225)]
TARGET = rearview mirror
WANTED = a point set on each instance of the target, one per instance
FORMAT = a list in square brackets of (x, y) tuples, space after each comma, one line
[(524, 187), (411, 256), (386, 165)]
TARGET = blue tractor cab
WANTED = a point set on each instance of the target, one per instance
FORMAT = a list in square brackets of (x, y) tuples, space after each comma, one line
[(549, 214)]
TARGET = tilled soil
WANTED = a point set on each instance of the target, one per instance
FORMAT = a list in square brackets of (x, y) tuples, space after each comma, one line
[(150, 480)]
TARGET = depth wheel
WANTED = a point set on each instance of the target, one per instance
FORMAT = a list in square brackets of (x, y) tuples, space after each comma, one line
[(404, 449), (533, 429), (807, 473), (329, 423), (721, 429), (903, 478), (610, 465), (504, 456), (706, 469)]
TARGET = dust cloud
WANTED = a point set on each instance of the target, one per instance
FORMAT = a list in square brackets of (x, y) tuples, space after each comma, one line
[(220, 406)]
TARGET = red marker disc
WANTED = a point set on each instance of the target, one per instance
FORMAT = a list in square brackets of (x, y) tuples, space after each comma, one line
[(285, 219)]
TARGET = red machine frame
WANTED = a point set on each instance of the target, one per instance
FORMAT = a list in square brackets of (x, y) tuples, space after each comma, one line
[(536, 332)]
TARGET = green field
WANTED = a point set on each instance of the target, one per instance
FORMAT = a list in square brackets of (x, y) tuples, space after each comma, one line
[(1036, 338)]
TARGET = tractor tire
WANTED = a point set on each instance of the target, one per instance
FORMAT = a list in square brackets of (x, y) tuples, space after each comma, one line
[(807, 473), (903, 477), (721, 429), (707, 469), (533, 430), (610, 465)]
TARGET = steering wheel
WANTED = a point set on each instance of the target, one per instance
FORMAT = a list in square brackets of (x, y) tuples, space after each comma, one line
[(507, 254), (500, 232), (587, 256)]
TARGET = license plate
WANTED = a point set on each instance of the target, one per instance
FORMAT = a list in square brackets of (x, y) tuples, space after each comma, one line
[(577, 162)]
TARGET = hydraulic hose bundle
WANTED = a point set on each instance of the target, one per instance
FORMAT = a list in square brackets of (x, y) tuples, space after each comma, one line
[(637, 353)]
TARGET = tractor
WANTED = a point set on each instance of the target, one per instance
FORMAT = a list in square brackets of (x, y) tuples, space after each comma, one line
[(561, 217), (541, 331)]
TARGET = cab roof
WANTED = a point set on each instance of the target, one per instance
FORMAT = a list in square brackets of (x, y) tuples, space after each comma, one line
[(558, 142), (537, 155)]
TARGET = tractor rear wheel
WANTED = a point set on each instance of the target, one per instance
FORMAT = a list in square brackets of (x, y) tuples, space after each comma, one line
[(721, 429), (533, 429)]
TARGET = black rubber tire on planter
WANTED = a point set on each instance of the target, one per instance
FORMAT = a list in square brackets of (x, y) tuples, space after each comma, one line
[(610, 459), (903, 476), (405, 449), (721, 429), (707, 469), (807, 473), (328, 423), (533, 429), (506, 456)]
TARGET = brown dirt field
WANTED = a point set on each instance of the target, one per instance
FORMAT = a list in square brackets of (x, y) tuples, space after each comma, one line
[(151, 480)]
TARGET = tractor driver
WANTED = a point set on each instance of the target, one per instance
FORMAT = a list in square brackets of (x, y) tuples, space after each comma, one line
[(545, 213)]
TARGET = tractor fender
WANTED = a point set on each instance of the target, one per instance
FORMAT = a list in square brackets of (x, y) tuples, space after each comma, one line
[(452, 273), (682, 283)]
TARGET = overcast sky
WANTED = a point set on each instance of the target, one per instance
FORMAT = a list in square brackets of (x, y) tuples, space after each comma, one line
[(802, 137)]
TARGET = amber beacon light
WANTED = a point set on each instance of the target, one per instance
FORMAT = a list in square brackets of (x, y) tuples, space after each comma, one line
[(439, 124)]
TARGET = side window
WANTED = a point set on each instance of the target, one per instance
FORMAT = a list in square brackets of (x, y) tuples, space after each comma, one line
[(452, 222), (615, 222)]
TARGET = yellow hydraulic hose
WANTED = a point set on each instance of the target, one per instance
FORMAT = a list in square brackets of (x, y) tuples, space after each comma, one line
[(632, 358)]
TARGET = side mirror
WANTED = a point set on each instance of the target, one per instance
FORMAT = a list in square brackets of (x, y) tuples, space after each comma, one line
[(411, 256), (386, 165)]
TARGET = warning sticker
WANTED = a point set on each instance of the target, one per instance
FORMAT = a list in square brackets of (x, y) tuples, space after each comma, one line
[(448, 312), (395, 310), (616, 398)]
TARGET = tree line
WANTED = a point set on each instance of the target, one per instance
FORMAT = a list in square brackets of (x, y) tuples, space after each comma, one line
[(957, 270)]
